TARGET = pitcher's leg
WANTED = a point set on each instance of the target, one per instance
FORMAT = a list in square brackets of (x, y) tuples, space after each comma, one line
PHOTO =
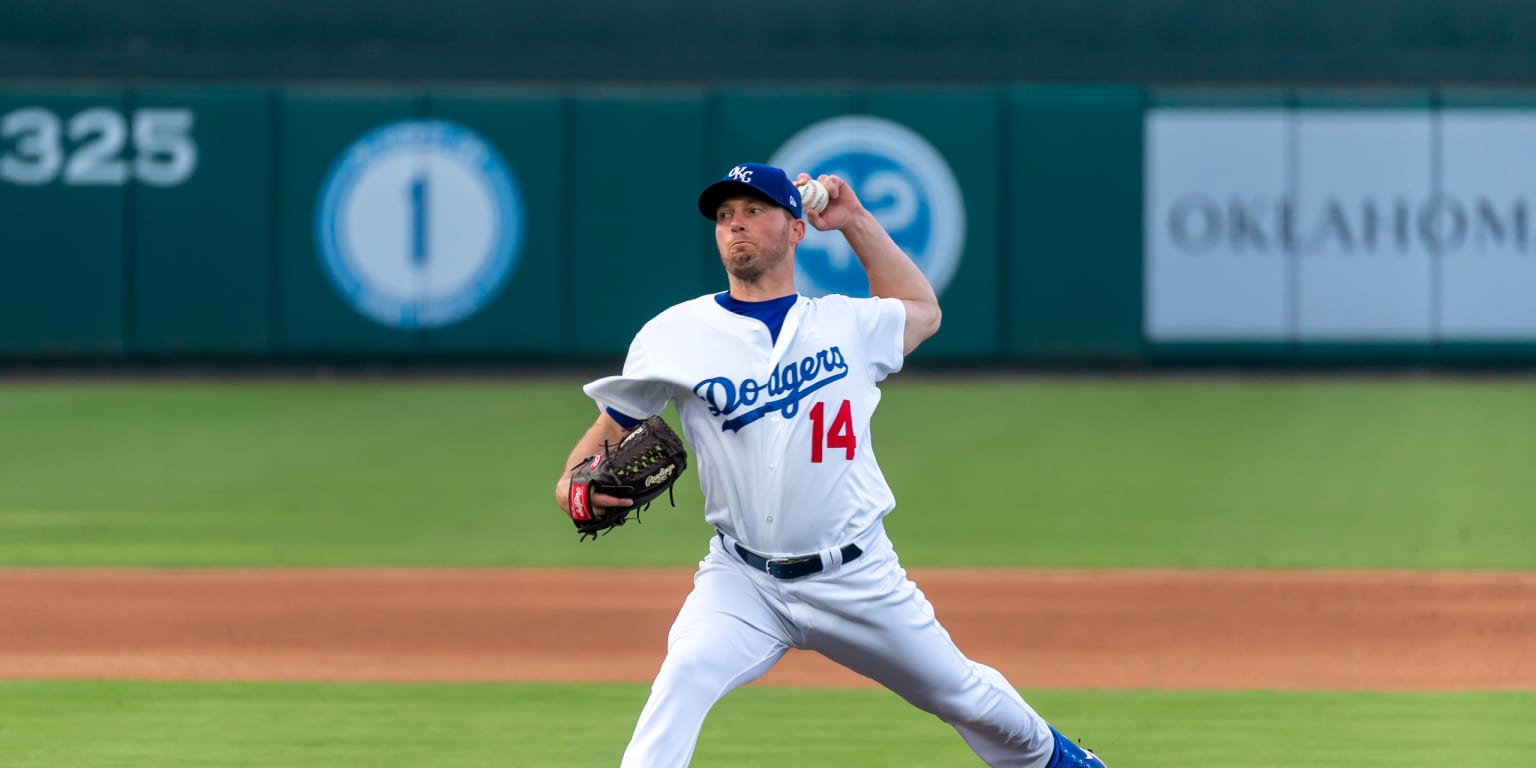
[(974, 699), (875, 621), (726, 635), (1004, 747)]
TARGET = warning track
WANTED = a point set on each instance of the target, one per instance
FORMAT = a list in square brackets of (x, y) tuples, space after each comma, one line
[(1044, 629)]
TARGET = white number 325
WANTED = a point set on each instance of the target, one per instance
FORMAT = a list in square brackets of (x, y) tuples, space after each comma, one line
[(33, 144)]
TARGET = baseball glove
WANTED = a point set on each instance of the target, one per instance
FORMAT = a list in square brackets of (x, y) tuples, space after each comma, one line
[(641, 467)]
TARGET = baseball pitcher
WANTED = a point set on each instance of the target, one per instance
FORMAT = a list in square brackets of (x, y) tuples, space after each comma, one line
[(775, 392)]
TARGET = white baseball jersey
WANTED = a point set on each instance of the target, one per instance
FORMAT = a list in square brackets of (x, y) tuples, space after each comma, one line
[(780, 431)]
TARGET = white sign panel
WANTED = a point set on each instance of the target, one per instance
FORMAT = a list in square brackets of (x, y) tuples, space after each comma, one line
[(1488, 258), (1362, 192), (1215, 260)]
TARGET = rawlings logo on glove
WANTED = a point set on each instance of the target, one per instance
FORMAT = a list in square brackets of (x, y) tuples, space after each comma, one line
[(643, 465), (665, 475)]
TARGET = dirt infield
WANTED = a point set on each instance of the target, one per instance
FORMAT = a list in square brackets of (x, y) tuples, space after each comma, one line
[(1044, 629)]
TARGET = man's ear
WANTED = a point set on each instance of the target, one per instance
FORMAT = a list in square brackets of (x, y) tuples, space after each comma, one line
[(796, 230)]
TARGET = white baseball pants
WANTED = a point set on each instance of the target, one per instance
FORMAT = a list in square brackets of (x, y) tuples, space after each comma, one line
[(865, 615)]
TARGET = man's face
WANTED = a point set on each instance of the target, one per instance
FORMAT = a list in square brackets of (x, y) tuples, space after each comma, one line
[(754, 236)]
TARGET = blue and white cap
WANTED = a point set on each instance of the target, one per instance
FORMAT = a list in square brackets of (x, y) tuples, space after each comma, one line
[(765, 181)]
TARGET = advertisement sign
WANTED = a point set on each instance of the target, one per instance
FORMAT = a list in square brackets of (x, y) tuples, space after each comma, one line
[(1338, 225)]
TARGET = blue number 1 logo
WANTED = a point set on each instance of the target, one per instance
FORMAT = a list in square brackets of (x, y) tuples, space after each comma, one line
[(418, 195), (377, 222)]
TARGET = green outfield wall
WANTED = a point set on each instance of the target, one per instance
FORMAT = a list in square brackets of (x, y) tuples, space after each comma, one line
[(1063, 224)]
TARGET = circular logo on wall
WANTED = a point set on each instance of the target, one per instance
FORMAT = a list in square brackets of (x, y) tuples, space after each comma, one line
[(900, 177), (419, 224)]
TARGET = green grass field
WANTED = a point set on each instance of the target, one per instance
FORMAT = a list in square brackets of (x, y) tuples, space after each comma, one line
[(1412, 474), (1007, 473), (186, 725)]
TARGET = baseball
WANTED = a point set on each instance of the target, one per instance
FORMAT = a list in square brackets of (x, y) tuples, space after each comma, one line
[(813, 195)]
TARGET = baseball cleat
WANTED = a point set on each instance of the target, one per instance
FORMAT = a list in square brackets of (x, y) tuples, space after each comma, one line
[(1069, 755)]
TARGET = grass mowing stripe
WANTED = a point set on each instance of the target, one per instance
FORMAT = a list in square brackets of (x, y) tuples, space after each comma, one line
[(95, 724), (996, 472)]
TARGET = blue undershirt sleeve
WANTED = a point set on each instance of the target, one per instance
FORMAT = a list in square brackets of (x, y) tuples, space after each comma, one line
[(623, 420)]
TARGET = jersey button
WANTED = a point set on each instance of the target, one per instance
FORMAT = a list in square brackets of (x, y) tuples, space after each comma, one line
[(770, 518)]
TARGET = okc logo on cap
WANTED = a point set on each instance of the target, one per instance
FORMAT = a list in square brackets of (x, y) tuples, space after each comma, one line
[(901, 178), (764, 180)]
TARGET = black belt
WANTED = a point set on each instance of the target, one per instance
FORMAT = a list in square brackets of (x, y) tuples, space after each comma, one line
[(791, 567)]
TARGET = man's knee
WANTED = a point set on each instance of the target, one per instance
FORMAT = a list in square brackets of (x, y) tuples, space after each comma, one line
[(696, 675)]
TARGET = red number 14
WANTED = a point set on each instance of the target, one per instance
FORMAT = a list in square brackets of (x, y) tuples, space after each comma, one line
[(840, 436)]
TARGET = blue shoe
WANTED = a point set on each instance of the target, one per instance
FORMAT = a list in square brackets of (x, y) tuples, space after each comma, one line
[(1070, 755)]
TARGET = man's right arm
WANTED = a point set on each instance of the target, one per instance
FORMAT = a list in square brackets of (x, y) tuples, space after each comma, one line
[(891, 272), (604, 431)]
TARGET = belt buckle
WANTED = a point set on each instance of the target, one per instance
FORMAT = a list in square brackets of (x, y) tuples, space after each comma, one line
[(791, 560), (788, 562)]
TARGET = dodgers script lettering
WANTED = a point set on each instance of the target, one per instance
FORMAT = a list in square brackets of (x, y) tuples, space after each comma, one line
[(787, 385)]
